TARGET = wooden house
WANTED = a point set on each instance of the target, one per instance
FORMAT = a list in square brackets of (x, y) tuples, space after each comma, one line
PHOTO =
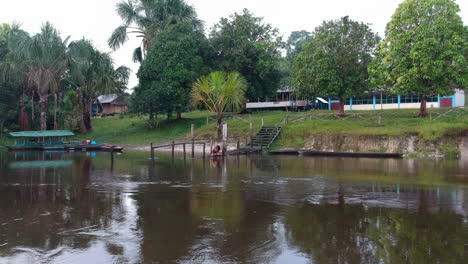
[(110, 104)]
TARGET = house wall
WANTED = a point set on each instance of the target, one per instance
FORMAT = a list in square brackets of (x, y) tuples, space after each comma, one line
[(459, 98), (109, 109)]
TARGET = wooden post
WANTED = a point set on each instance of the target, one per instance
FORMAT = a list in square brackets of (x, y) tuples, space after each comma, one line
[(112, 158), (152, 152), (173, 149), (184, 149), (211, 144), (203, 150), (238, 143), (193, 148), (250, 126), (193, 131), (225, 138)]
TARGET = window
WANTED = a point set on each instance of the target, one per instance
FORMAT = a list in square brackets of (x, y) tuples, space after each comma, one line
[(417, 99), (363, 100), (410, 99), (386, 99)]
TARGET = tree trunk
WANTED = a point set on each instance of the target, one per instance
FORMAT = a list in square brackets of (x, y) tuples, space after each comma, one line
[(87, 115), (219, 125), (33, 117), (43, 111), (422, 108), (82, 126), (151, 113), (56, 126), (23, 120), (341, 112), (179, 115)]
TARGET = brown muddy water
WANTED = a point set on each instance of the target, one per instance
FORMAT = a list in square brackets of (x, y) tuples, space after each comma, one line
[(86, 208)]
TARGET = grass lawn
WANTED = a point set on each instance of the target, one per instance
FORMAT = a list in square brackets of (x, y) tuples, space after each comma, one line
[(134, 131)]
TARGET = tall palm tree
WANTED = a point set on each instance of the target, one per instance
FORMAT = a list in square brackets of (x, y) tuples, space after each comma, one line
[(220, 92), (45, 55), (12, 68), (146, 18), (94, 74)]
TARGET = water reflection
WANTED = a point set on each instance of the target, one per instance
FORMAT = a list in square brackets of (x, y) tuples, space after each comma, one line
[(84, 207)]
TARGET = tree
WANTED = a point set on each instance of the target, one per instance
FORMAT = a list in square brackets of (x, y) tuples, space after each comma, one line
[(177, 57), (12, 78), (147, 18), (220, 92), (92, 75), (336, 59), (45, 56), (245, 44), (424, 50), (295, 42), (293, 47)]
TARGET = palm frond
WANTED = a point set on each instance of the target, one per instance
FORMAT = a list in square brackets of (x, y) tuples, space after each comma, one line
[(127, 11), (137, 55), (118, 37)]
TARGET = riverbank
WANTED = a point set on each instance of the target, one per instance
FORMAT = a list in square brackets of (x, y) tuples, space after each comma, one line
[(360, 131)]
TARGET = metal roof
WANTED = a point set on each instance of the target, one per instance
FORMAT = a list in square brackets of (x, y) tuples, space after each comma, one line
[(46, 133), (107, 98)]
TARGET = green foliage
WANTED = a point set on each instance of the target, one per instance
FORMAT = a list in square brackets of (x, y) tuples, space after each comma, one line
[(245, 44), (134, 130), (336, 59), (424, 50), (220, 92), (177, 57), (295, 42), (10, 78), (293, 47), (148, 18), (92, 74)]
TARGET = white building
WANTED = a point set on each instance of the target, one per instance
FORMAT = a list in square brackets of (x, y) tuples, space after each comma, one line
[(285, 99)]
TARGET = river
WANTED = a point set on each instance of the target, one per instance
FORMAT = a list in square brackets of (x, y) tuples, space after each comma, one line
[(91, 208)]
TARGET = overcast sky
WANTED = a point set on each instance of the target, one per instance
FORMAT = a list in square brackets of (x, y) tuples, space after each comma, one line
[(96, 19)]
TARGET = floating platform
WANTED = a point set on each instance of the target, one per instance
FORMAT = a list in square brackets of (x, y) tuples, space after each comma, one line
[(55, 140), (336, 154)]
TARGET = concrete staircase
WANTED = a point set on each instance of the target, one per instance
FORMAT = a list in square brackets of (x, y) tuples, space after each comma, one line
[(265, 137)]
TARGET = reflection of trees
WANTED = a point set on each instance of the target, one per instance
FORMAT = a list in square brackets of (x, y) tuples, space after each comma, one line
[(166, 223), (245, 230), (351, 234), (404, 237), (266, 163), (49, 203), (329, 233)]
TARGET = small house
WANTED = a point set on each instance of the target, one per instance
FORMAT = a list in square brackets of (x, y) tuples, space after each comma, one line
[(110, 104)]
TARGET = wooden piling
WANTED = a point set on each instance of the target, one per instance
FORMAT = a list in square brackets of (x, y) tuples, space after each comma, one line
[(152, 151), (211, 144), (112, 158), (203, 150), (184, 149), (173, 145), (193, 149), (238, 143)]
